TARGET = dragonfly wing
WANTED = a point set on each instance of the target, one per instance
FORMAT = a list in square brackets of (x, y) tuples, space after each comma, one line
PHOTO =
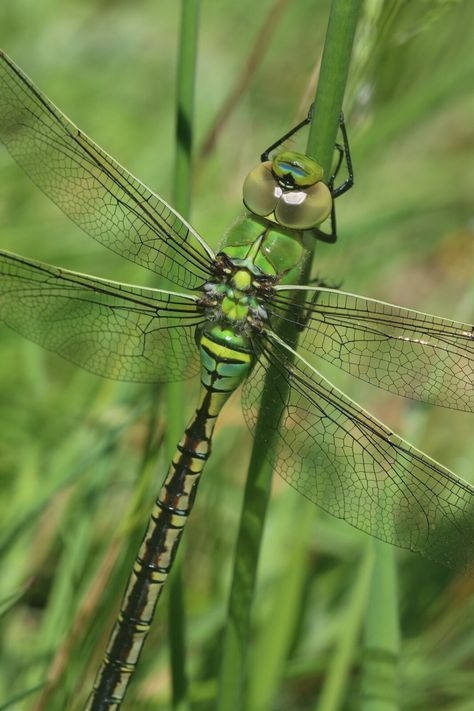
[(403, 351), (114, 330), (95, 191), (351, 465)]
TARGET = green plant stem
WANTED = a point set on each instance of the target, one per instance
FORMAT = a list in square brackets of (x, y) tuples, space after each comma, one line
[(233, 673), (382, 635), (381, 646), (332, 80), (174, 391), (333, 692), (185, 105), (284, 601)]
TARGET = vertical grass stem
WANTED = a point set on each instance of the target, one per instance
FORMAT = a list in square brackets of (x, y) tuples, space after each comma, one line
[(233, 673), (187, 52)]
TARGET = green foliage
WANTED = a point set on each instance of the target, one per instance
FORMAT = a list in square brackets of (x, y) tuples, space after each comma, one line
[(81, 459)]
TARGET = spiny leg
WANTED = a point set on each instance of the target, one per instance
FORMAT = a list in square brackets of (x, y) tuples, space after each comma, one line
[(344, 153), (331, 236), (266, 154)]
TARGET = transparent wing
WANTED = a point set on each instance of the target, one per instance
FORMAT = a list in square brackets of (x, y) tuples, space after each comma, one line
[(114, 330), (351, 465), (406, 352), (97, 193)]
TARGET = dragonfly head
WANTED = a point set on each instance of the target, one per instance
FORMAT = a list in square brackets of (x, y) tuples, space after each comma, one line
[(288, 190)]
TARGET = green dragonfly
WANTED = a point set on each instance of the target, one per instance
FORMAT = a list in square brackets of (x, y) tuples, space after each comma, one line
[(228, 327)]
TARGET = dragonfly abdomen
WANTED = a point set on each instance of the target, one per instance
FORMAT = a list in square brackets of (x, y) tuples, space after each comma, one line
[(226, 359)]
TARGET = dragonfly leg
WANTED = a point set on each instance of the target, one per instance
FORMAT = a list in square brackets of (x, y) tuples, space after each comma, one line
[(330, 236), (335, 173), (266, 154), (344, 152)]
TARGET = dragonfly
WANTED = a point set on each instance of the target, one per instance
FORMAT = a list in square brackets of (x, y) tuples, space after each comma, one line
[(229, 322)]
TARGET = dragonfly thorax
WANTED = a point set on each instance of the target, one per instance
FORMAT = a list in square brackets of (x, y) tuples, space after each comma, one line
[(235, 299)]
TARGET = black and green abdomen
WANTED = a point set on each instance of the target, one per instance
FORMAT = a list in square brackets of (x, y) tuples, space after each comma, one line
[(226, 358)]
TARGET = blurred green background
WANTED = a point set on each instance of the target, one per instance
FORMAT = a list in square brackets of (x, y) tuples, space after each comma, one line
[(81, 459)]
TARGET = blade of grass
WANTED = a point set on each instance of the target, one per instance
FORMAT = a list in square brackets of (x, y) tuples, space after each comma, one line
[(381, 654), (67, 666), (382, 635), (29, 516), (10, 600), (13, 702), (285, 601), (233, 672), (174, 391), (333, 693)]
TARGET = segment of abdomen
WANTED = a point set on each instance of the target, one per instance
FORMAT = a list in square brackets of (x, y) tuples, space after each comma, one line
[(223, 368)]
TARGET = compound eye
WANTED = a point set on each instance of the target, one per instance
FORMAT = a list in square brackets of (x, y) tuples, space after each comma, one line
[(260, 190), (303, 170), (304, 209)]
